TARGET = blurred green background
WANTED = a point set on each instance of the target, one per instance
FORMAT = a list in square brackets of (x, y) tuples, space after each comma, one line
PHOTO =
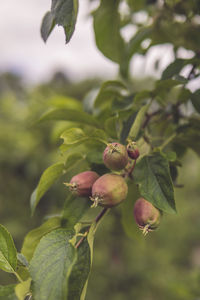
[(163, 265)]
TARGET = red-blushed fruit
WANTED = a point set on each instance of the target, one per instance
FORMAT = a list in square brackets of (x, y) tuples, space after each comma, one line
[(81, 184), (146, 215), (132, 150), (115, 156), (109, 190)]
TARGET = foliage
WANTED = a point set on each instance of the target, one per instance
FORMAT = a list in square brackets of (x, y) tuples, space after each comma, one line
[(157, 119)]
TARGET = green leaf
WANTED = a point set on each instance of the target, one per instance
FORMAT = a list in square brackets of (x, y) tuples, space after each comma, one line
[(69, 115), (33, 237), (155, 185), (48, 24), (195, 98), (163, 86), (22, 289), (134, 131), (174, 68), (8, 252), (136, 40), (22, 260), (7, 292), (109, 91), (189, 135), (51, 265), (127, 218), (107, 30), (80, 271), (49, 176), (73, 210), (73, 136)]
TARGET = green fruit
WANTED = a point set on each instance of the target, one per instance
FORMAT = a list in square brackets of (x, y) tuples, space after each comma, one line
[(115, 156), (146, 215), (81, 184), (109, 190)]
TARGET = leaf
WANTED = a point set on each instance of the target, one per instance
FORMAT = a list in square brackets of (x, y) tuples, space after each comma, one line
[(109, 91), (195, 98), (48, 24), (8, 252), (107, 30), (138, 122), (73, 136), (174, 68), (73, 210), (65, 14), (80, 271), (136, 40), (51, 265), (69, 115), (189, 135), (7, 292), (127, 218), (76, 135), (163, 86), (22, 289), (22, 260), (49, 176), (155, 185), (33, 237)]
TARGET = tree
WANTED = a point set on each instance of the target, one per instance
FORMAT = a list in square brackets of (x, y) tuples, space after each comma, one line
[(163, 121)]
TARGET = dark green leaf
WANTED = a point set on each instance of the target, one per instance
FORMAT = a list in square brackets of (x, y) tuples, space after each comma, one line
[(69, 115), (136, 40), (80, 272), (74, 208), (107, 30), (33, 237), (49, 176), (174, 68), (195, 98), (189, 135), (155, 185), (8, 252), (48, 24), (7, 292), (65, 14), (51, 265)]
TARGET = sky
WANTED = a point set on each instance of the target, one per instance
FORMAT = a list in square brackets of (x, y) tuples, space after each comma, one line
[(23, 51)]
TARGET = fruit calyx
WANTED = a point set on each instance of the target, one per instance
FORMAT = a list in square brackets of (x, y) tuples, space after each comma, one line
[(146, 215), (81, 184), (115, 156), (109, 190)]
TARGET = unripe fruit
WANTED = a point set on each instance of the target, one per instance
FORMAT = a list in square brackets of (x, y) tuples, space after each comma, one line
[(115, 156), (109, 190), (146, 215), (132, 150), (81, 184)]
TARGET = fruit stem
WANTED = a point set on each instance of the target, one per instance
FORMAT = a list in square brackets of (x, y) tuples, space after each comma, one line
[(97, 219), (102, 213), (132, 169)]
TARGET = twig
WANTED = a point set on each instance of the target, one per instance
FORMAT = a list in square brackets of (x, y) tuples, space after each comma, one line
[(98, 218)]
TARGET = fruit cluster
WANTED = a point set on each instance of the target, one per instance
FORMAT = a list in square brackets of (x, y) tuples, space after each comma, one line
[(111, 189)]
